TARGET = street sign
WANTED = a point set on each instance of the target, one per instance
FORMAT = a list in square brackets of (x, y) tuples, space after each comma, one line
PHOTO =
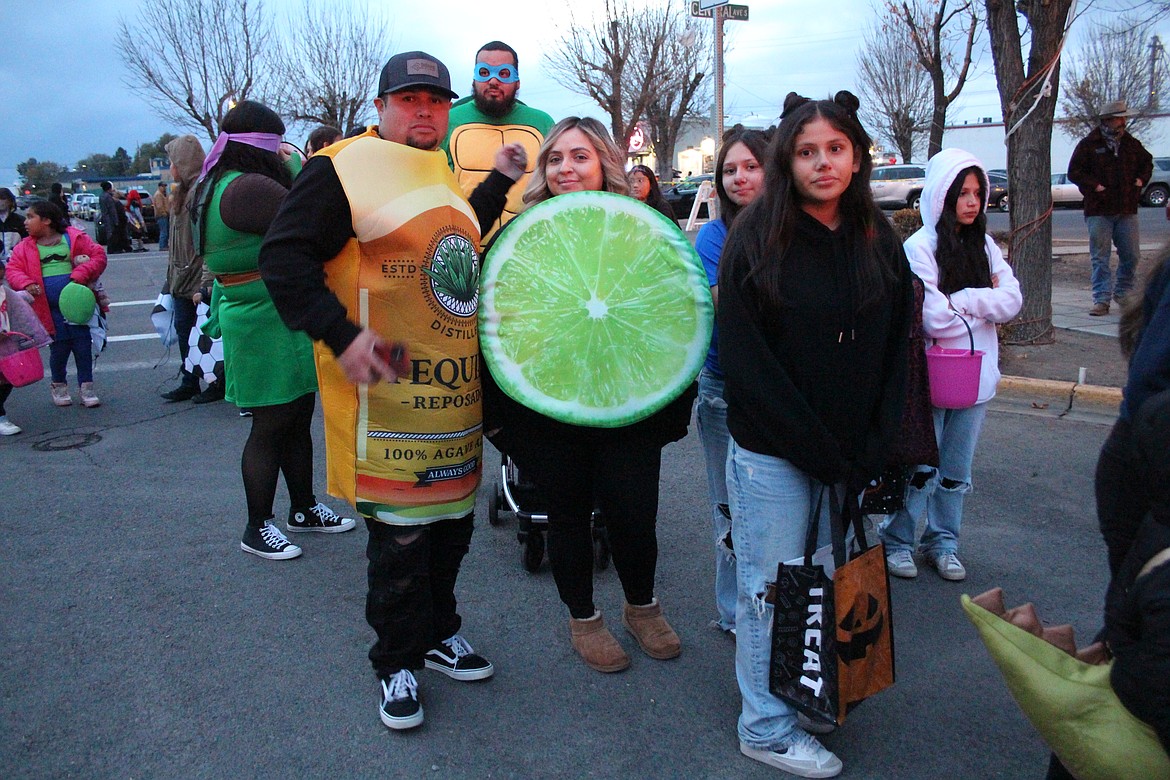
[(733, 13), (707, 5)]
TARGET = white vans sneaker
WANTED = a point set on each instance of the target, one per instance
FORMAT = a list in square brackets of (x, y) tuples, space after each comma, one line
[(804, 756)]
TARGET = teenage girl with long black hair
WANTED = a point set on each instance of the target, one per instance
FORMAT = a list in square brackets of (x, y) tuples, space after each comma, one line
[(814, 317), (967, 285)]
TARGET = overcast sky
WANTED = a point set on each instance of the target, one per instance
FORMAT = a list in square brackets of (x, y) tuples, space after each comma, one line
[(64, 95)]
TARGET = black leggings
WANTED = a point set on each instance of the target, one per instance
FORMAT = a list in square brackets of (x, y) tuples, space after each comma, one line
[(5, 391), (281, 441), (621, 474)]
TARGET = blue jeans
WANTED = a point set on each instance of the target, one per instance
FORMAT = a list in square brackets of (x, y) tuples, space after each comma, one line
[(69, 339), (939, 493), (712, 420), (771, 501), (1103, 233), (164, 232)]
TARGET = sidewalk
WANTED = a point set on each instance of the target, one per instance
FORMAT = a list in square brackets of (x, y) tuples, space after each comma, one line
[(1070, 312)]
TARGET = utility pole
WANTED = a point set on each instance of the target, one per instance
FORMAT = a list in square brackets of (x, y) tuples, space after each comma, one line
[(717, 119), (1156, 51)]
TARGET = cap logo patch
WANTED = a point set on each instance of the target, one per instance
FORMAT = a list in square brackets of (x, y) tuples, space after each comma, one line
[(420, 67)]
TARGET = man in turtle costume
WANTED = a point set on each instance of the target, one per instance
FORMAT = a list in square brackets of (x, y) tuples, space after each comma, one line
[(490, 118)]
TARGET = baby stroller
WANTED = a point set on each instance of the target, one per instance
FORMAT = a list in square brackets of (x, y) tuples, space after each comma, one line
[(511, 493)]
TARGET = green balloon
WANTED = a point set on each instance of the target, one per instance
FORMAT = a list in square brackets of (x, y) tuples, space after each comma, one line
[(76, 303)]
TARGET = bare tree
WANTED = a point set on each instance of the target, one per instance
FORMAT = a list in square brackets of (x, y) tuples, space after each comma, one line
[(618, 62), (194, 59), (943, 39), (687, 59), (1028, 101), (899, 91), (1117, 62), (328, 63)]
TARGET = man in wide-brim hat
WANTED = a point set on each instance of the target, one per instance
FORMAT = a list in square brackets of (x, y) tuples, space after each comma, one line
[(1111, 168)]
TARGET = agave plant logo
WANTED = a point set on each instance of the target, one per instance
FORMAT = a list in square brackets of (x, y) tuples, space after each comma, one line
[(454, 275)]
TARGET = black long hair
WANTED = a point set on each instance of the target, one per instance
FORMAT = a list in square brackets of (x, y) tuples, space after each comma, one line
[(962, 249), (654, 199), (764, 231), (756, 142), (247, 116), (50, 211)]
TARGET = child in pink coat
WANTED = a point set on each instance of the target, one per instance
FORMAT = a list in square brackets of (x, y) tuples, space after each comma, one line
[(53, 255)]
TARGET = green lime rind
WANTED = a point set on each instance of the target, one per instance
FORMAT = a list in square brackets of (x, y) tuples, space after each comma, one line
[(594, 310)]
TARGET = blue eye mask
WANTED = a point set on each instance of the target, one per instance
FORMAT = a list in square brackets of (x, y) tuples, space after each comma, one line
[(506, 74)]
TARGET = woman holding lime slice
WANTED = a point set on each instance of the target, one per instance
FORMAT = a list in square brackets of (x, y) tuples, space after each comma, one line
[(740, 180), (814, 314), (573, 465)]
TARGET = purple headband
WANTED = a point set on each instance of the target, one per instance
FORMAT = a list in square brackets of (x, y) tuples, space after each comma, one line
[(269, 142)]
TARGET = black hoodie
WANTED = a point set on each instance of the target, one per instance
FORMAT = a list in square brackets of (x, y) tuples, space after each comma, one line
[(816, 381)]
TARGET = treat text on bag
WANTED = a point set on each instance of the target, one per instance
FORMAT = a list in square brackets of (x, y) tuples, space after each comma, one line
[(812, 642)]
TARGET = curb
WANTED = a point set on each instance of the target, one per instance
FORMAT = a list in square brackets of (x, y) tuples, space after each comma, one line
[(1076, 394)]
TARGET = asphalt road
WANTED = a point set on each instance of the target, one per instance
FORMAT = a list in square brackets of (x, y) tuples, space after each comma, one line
[(137, 641)]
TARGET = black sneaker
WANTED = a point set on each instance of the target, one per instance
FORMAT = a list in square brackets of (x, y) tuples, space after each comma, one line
[(183, 392), (213, 393), (455, 658), (268, 542), (318, 518), (400, 707)]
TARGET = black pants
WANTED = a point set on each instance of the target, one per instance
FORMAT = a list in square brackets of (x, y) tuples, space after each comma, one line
[(281, 442), (184, 322), (1122, 493), (411, 598), (5, 391), (620, 473)]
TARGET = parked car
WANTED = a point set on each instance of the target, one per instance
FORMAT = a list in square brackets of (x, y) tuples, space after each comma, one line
[(681, 196), (1064, 192), (997, 196), (84, 205), (1158, 189), (897, 186), (24, 201)]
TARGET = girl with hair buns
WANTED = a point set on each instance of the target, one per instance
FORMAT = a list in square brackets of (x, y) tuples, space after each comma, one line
[(814, 317), (739, 180), (270, 369), (575, 465)]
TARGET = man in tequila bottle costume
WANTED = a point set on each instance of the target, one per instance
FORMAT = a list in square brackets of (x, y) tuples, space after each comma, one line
[(375, 255)]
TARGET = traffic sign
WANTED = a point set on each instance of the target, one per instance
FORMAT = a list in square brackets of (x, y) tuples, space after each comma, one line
[(707, 5), (734, 13)]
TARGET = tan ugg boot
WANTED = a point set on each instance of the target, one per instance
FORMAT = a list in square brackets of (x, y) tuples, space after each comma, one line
[(650, 628), (596, 646)]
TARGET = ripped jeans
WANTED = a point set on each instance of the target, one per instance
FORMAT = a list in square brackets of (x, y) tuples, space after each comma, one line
[(411, 598), (712, 424), (771, 501), (939, 493)]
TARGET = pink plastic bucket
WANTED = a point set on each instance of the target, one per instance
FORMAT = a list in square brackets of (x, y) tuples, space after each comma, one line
[(22, 367), (954, 376)]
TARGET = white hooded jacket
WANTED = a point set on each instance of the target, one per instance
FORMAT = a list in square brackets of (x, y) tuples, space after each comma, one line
[(981, 307)]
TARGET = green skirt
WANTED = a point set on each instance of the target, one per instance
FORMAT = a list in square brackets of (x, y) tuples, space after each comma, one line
[(265, 362)]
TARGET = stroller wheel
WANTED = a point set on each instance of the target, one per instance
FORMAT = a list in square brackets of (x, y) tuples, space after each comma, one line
[(495, 504), (600, 548), (533, 552)]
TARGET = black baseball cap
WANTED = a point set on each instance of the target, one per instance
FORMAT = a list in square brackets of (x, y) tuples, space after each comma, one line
[(415, 69)]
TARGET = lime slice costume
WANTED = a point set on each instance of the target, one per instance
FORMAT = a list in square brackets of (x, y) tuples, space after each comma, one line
[(474, 137)]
